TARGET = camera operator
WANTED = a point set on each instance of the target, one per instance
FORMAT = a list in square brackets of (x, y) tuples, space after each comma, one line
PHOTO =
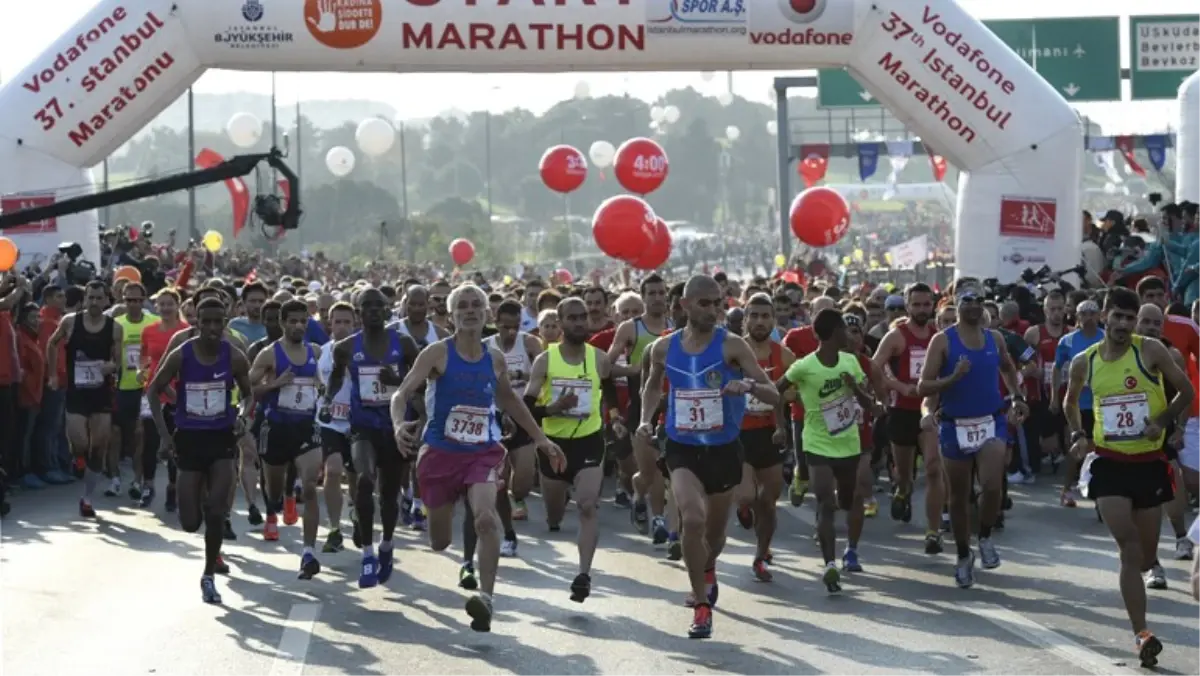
[(134, 248)]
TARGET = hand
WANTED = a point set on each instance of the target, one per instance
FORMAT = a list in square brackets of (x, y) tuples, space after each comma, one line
[(1080, 449), (108, 368), (1019, 412), (737, 388), (909, 390), (1153, 429), (52, 381), (565, 402), (406, 437), (558, 460), (284, 378), (326, 19), (962, 368), (645, 432), (166, 447), (618, 429), (1055, 405), (239, 426), (929, 421), (1176, 439), (324, 415), (779, 436), (848, 381)]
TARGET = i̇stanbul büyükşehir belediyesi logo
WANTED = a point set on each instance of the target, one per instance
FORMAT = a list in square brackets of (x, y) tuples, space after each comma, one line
[(253, 36)]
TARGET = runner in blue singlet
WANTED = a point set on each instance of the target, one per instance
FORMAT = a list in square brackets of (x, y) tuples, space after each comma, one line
[(960, 374), (709, 371)]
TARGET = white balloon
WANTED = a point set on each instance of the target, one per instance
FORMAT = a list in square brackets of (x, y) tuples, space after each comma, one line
[(244, 129), (732, 133), (602, 154), (671, 114), (656, 113), (582, 90), (772, 127), (375, 136), (340, 161), (725, 98)]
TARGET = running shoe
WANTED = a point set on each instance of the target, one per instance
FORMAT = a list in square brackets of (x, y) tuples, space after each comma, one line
[(147, 498), (1185, 549), (871, 507), (1147, 647), (85, 509), (1067, 498), (1155, 578), (208, 590), (901, 507), (832, 578), (745, 517), (933, 543), (964, 572), (254, 516), (519, 511), (135, 492), (369, 573), (622, 499), (508, 548), (702, 622), (945, 524), (479, 607), (659, 528), (761, 570), (271, 529), (674, 549), (797, 490), (385, 565), (638, 517), (333, 542), (114, 488), (309, 566), (406, 511), (227, 532), (290, 514), (417, 520), (581, 587), (466, 576), (989, 558), (850, 562)]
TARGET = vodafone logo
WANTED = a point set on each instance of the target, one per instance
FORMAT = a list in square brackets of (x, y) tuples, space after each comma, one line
[(802, 11)]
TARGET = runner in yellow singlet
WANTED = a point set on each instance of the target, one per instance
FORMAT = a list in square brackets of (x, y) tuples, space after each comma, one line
[(1130, 476)]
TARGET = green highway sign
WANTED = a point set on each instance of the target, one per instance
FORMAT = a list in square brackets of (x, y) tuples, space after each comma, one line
[(1080, 57), (836, 88), (1163, 51)]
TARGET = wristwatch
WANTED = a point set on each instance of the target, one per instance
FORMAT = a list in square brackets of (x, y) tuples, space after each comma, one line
[(1077, 435)]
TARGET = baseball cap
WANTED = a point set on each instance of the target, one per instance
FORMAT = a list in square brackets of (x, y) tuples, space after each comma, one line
[(1114, 216), (894, 303)]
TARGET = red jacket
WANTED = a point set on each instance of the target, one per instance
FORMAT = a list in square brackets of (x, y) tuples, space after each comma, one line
[(51, 318), (33, 368)]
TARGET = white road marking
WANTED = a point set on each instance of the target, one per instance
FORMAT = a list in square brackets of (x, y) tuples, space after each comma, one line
[(1087, 660), (293, 645)]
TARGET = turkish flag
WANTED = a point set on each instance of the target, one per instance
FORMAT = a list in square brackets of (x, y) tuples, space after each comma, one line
[(239, 195), (814, 161), (1125, 145), (938, 163)]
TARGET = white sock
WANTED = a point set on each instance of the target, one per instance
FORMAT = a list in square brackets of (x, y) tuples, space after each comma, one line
[(368, 551)]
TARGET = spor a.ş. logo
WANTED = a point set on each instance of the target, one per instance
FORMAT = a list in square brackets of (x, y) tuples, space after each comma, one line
[(802, 11)]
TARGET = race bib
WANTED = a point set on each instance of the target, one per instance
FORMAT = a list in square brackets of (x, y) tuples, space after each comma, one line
[(89, 374), (515, 365), (145, 412), (1123, 417), (699, 410), (133, 357), (756, 406), (371, 389), (468, 424), (1048, 374), (582, 389), (299, 395), (916, 363), (972, 433), (206, 400), (840, 414), (339, 411)]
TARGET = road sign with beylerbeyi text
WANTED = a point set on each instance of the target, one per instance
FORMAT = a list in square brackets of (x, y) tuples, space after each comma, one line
[(1079, 57), (1163, 51)]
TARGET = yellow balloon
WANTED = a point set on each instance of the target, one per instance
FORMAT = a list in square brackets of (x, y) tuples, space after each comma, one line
[(507, 280), (845, 260), (213, 241), (858, 254), (780, 260), (887, 256)]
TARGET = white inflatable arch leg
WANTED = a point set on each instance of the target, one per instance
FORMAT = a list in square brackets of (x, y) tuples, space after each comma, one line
[(938, 69), (1187, 142)]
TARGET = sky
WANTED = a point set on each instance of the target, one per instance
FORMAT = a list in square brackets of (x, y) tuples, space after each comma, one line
[(29, 27)]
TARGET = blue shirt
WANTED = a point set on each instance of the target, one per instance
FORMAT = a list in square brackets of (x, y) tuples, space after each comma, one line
[(978, 393), (695, 401), (1070, 346), (461, 405), (294, 403), (253, 331), (315, 333), (370, 399)]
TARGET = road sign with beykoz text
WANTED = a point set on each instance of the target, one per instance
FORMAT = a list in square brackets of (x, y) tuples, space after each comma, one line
[(1081, 58), (1163, 51)]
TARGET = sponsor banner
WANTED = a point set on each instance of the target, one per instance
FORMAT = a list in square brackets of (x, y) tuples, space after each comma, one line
[(1018, 253), (910, 254), (343, 24), (23, 201), (801, 23), (709, 18), (1028, 217), (252, 32)]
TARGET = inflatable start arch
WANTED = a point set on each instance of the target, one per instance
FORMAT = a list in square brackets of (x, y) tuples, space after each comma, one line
[(940, 71)]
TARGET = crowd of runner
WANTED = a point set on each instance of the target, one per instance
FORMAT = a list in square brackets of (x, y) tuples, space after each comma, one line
[(703, 397)]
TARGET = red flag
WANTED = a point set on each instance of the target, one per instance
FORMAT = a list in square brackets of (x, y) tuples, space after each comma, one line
[(285, 190), (814, 161), (239, 196), (938, 163), (1125, 145)]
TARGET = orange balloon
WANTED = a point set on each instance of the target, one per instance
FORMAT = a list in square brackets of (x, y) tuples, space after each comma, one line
[(8, 254), (127, 272)]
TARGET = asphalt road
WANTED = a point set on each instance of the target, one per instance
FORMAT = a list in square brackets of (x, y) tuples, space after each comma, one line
[(120, 595)]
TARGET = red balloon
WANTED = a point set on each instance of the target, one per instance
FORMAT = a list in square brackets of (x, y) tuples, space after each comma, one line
[(820, 216), (657, 253), (623, 227), (563, 276), (563, 168), (640, 165), (462, 251)]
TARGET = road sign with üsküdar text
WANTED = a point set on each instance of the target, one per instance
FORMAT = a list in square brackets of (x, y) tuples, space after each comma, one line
[(1079, 57), (1163, 51)]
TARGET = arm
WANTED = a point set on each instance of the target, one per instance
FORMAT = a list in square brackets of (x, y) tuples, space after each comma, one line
[(511, 404), (1061, 357), (533, 388), (742, 356), (60, 334), (622, 341), (1158, 357), (1008, 368), (1075, 384), (262, 375), (1031, 339), (935, 359), (652, 388), (116, 358), (786, 359), (341, 361), (168, 369), (533, 346), (429, 361), (889, 348), (608, 387), (240, 365)]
